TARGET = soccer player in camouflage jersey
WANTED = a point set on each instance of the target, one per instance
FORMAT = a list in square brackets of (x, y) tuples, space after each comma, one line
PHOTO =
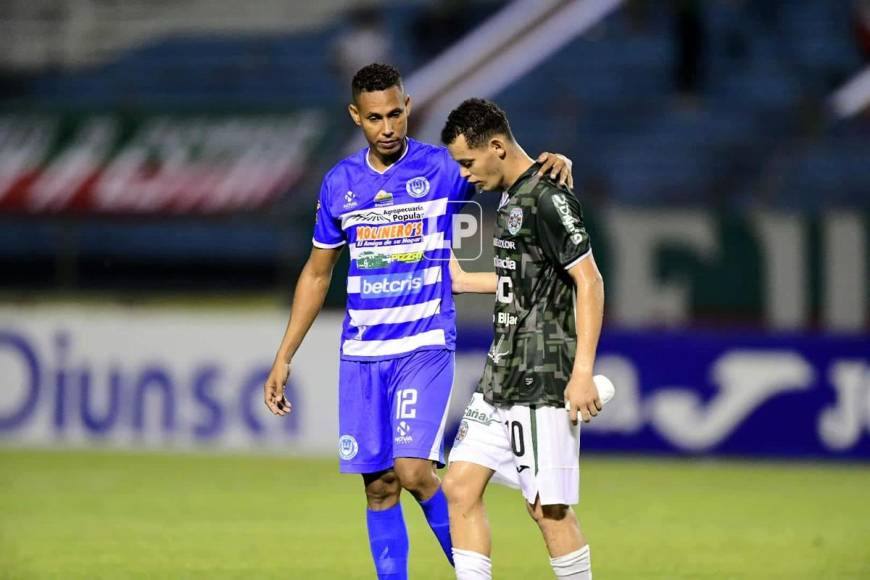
[(547, 319), (391, 204)]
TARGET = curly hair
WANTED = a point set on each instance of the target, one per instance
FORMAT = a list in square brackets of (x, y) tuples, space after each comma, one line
[(478, 120), (375, 77)]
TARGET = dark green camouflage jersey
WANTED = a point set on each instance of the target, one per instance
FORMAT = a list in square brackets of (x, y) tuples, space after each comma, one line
[(539, 234)]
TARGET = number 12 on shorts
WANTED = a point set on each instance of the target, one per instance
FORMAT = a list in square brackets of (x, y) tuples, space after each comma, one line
[(405, 401)]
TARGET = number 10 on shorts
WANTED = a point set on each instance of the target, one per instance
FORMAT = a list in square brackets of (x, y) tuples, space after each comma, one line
[(518, 443)]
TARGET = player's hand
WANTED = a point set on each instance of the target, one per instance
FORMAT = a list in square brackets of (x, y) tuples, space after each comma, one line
[(581, 398), (558, 166), (273, 390)]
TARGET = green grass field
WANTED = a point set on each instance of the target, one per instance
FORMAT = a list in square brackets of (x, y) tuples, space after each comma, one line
[(112, 515)]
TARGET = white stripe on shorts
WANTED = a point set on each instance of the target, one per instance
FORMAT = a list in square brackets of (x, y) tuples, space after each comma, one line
[(435, 452)]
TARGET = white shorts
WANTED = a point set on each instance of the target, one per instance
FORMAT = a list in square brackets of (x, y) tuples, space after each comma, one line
[(535, 449)]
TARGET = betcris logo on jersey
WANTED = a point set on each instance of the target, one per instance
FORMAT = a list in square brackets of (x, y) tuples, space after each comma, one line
[(390, 285)]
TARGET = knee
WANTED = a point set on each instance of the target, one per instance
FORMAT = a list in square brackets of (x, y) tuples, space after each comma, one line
[(548, 514), (382, 491), (418, 478), (458, 491)]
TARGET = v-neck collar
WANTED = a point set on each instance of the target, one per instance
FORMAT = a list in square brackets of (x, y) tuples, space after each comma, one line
[(396, 162)]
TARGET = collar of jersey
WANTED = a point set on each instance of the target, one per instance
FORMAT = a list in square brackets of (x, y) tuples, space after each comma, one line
[(528, 173), (405, 152)]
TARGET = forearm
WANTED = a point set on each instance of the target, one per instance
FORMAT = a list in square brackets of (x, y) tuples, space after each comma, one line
[(473, 282), (476, 283), (590, 313), (308, 300)]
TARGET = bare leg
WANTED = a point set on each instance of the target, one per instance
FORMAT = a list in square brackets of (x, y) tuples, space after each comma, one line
[(464, 485), (569, 551), (559, 526)]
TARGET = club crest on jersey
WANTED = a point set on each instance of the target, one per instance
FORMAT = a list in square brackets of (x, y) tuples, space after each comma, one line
[(383, 198), (463, 431), (347, 447), (417, 187), (515, 220)]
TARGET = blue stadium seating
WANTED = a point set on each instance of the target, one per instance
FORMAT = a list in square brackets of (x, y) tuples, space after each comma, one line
[(756, 134)]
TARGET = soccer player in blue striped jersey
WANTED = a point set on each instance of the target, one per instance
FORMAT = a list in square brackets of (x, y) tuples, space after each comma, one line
[(390, 204)]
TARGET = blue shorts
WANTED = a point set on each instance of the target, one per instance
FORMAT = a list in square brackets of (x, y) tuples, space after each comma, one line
[(393, 408)]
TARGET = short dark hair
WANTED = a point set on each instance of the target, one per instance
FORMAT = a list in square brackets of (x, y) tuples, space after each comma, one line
[(479, 120), (375, 77)]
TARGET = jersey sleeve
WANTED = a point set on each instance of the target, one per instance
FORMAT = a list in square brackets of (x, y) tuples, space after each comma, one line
[(327, 230), (561, 231)]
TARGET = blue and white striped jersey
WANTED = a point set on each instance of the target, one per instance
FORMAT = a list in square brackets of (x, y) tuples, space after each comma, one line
[(397, 225)]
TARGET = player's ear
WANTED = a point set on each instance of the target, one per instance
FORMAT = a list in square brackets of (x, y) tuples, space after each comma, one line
[(407, 105), (354, 114), (497, 146)]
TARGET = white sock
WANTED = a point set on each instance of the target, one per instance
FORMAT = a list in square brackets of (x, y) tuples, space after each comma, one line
[(575, 566), (472, 565)]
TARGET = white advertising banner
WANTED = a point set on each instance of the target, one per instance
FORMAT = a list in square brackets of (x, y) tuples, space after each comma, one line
[(169, 378), (183, 379)]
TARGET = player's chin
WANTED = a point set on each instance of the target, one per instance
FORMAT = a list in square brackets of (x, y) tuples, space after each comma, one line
[(390, 147)]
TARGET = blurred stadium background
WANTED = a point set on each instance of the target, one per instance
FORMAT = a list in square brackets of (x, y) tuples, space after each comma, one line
[(159, 163)]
